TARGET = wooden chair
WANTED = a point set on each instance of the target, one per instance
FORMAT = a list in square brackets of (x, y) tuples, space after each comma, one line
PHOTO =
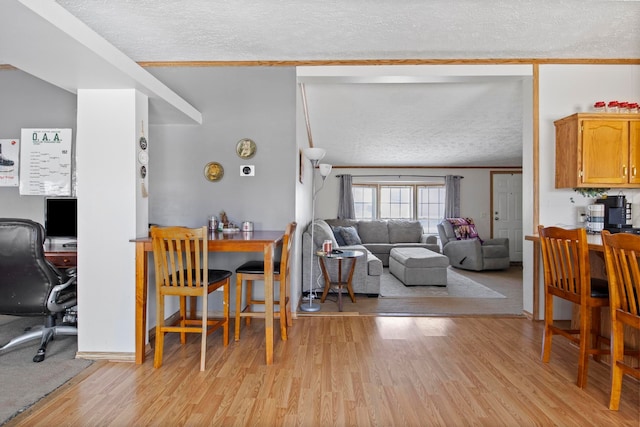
[(254, 270), (567, 275), (181, 268), (622, 254)]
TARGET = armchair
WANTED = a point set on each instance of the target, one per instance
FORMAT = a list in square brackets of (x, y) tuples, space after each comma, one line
[(31, 286), (465, 250)]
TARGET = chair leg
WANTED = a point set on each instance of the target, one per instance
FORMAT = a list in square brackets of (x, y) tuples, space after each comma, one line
[(204, 329), (225, 311), (157, 358), (595, 332), (183, 319), (238, 305), (247, 320), (617, 353), (585, 346), (548, 321), (283, 310)]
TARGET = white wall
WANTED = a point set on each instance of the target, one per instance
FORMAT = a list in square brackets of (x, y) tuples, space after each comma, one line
[(564, 90), (107, 171)]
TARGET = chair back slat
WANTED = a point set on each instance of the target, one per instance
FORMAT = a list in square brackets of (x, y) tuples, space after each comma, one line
[(622, 255), (287, 243), (181, 255), (565, 255)]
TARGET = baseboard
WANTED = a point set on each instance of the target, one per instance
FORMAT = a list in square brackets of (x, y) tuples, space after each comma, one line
[(110, 356), (528, 315)]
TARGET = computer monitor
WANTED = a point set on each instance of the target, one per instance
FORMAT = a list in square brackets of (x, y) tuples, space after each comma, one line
[(61, 218)]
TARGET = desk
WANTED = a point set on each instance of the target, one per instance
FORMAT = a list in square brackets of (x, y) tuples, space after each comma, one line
[(353, 256), (61, 256), (256, 241)]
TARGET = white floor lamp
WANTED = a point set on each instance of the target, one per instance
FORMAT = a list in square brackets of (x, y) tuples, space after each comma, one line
[(314, 155)]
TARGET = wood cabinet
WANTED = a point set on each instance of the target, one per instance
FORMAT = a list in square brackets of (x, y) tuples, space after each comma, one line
[(598, 150)]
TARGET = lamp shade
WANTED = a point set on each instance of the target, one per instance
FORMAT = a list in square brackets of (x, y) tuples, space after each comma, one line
[(325, 169), (314, 153)]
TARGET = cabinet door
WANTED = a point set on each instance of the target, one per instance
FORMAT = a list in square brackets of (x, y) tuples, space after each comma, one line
[(634, 152), (605, 152)]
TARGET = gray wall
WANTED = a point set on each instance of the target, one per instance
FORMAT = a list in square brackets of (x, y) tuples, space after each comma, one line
[(30, 102), (252, 102)]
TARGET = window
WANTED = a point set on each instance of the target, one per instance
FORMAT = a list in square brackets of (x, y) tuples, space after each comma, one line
[(365, 202), (421, 202)]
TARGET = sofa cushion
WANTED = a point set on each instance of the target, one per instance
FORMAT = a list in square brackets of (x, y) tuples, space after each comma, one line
[(322, 232), (350, 236), (373, 231), (342, 222), (404, 231), (338, 235)]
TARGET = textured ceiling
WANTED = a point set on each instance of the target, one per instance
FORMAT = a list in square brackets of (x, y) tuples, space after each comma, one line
[(461, 123), (221, 30)]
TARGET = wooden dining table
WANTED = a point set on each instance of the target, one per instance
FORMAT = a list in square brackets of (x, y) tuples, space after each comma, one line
[(263, 241)]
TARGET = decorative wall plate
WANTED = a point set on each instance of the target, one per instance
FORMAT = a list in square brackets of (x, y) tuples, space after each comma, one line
[(143, 172), (143, 157), (213, 171), (246, 148)]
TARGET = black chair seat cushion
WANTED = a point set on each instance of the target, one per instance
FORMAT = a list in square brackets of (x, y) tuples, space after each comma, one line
[(599, 288), (256, 267), (214, 275)]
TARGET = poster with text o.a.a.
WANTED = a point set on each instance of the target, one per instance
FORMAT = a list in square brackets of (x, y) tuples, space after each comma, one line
[(9, 164), (45, 162)]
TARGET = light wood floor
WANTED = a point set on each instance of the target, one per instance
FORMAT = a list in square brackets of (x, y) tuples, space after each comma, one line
[(352, 370)]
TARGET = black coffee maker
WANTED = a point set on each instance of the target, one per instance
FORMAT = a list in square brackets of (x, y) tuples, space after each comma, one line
[(617, 215)]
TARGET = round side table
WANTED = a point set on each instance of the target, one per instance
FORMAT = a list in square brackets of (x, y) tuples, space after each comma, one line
[(339, 255)]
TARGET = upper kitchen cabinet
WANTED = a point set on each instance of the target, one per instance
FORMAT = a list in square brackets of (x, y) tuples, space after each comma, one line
[(598, 150)]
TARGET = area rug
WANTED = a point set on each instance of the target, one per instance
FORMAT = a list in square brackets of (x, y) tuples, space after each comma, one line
[(458, 286), (23, 382)]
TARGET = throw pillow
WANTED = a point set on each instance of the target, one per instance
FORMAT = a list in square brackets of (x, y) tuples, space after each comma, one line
[(350, 236), (464, 228), (338, 235)]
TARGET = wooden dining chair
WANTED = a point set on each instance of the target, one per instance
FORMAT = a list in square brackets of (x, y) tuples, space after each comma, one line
[(254, 270), (567, 275), (622, 255), (182, 269)]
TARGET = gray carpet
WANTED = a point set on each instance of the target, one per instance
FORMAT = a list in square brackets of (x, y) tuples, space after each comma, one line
[(506, 283), (458, 286), (23, 382)]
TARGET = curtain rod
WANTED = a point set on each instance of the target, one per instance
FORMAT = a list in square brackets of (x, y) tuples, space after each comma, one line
[(399, 176)]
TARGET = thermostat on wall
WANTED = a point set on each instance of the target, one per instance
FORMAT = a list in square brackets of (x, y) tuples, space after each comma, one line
[(247, 170)]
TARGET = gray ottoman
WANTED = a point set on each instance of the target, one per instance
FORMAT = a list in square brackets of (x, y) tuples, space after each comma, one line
[(418, 266)]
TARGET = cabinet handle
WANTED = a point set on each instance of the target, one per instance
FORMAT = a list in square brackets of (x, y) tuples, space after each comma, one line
[(624, 171), (633, 171)]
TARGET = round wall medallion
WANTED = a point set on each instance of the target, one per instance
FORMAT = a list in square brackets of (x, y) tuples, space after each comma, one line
[(143, 172), (246, 148), (213, 171)]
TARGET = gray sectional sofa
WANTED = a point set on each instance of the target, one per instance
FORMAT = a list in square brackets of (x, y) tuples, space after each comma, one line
[(377, 238)]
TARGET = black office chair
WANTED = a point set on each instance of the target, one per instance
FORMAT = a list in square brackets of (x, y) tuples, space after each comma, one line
[(31, 286)]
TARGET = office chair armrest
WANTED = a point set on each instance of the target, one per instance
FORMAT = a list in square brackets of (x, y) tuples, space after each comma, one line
[(56, 302)]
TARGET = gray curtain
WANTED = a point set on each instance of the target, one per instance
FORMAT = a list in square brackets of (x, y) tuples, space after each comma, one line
[(346, 209), (452, 196)]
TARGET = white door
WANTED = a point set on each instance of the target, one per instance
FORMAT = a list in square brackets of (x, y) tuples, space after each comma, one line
[(507, 210)]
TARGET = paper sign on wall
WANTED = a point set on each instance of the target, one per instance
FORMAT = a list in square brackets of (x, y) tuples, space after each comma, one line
[(45, 157), (9, 164)]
